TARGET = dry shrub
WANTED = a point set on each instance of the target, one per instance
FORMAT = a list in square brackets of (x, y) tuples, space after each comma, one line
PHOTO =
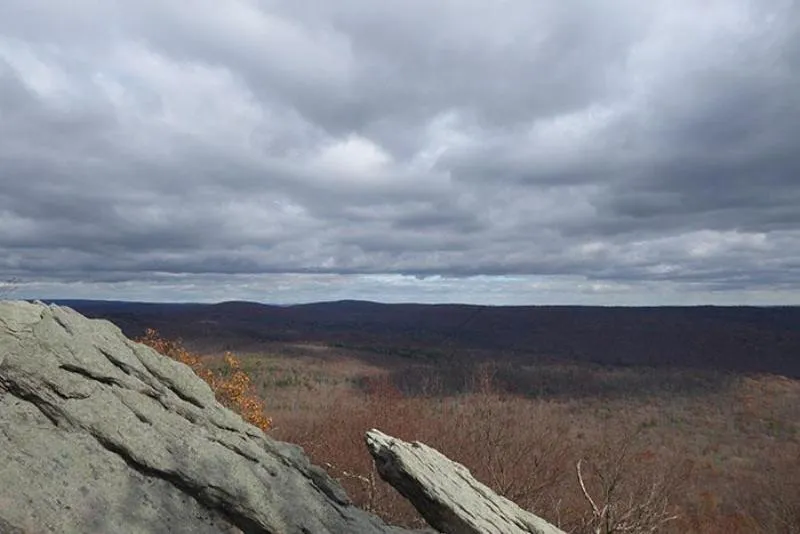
[(626, 487), (518, 447), (774, 500), (335, 440), (232, 387)]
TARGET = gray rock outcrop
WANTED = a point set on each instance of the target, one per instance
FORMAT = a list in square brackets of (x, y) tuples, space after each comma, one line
[(101, 434), (446, 494)]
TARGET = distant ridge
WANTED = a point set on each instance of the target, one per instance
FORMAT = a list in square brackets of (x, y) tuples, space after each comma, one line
[(726, 338)]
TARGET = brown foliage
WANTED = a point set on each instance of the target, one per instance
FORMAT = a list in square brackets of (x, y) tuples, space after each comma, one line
[(233, 388), (670, 463), (524, 450)]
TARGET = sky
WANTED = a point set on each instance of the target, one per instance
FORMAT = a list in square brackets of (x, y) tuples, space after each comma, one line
[(613, 152)]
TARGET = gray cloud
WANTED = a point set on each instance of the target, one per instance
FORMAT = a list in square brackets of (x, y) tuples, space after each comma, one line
[(625, 151)]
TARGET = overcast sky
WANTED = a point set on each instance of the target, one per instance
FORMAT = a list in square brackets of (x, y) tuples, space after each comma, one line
[(486, 151)]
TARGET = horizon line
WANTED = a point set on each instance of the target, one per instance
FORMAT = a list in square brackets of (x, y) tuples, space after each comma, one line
[(407, 303)]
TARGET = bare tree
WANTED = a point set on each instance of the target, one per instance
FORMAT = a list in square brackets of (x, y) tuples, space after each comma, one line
[(622, 500)]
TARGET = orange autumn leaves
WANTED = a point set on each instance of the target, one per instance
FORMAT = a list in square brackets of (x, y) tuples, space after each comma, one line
[(233, 388)]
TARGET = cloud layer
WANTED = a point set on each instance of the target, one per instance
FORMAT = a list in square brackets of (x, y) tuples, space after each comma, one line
[(491, 151)]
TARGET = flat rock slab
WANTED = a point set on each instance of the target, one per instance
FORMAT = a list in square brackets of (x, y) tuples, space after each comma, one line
[(101, 434), (446, 494)]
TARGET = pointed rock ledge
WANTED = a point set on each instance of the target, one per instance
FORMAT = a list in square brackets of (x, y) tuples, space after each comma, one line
[(101, 434), (446, 494)]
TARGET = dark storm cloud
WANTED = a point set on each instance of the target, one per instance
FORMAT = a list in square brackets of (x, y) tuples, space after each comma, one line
[(623, 143)]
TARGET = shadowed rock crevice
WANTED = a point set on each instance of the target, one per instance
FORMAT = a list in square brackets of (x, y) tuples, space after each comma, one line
[(199, 493), (91, 376)]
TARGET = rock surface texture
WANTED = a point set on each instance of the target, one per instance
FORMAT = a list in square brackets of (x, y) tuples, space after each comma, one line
[(446, 494), (101, 434)]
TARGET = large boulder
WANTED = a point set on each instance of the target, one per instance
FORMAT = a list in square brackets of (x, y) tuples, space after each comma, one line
[(101, 434)]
